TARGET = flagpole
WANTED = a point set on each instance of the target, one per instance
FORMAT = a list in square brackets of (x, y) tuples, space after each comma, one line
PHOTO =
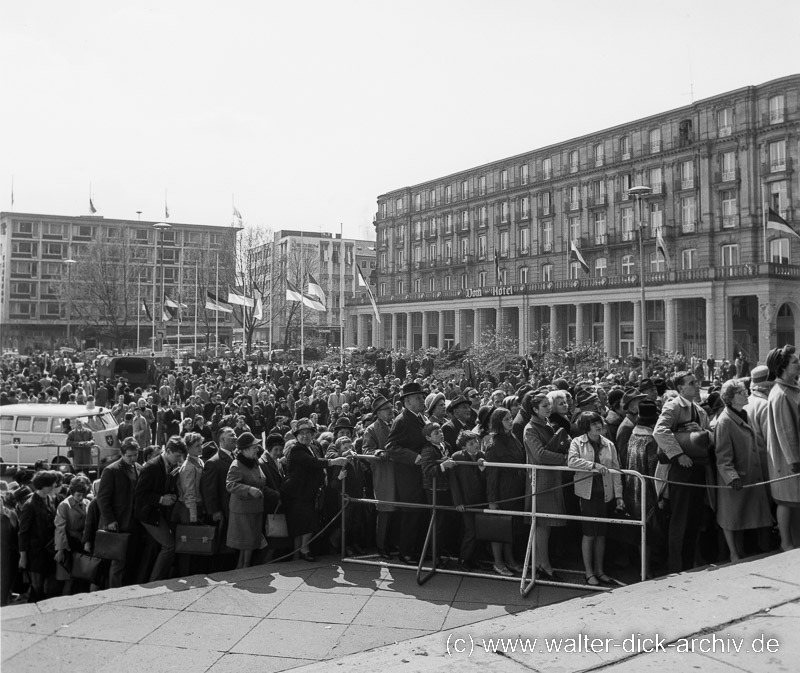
[(271, 291), (764, 212), (341, 294), (196, 306), (180, 317), (216, 312), (138, 308), (302, 292), (155, 292)]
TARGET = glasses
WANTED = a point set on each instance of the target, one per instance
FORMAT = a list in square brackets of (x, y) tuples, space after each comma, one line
[(472, 397)]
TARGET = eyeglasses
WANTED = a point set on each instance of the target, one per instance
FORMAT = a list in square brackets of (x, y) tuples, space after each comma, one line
[(472, 397)]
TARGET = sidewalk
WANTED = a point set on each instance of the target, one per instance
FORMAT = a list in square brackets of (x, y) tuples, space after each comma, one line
[(313, 616)]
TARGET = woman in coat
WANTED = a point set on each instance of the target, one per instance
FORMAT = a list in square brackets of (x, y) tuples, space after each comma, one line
[(505, 487), (69, 524), (597, 491), (738, 464), (36, 533), (783, 438), (250, 498), (543, 448)]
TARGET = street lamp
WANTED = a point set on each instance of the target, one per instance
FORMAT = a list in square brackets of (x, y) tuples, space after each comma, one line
[(70, 263), (160, 227), (638, 193)]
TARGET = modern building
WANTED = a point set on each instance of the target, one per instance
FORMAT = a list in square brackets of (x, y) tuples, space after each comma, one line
[(42, 256), (329, 259), (489, 246)]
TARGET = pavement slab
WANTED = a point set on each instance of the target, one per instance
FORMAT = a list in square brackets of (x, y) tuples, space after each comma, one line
[(116, 623), (291, 639), (238, 600), (202, 631), (250, 663), (46, 623)]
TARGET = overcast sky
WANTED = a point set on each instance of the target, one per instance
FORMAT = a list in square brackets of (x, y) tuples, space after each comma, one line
[(307, 111)]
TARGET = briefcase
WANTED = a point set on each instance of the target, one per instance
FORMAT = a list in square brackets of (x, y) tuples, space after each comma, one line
[(493, 527), (111, 546), (191, 539)]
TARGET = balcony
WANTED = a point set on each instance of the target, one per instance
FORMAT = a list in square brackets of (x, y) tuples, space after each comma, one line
[(628, 235), (781, 165), (688, 227), (525, 251), (727, 176), (724, 131), (658, 189), (729, 221), (600, 239), (624, 156), (684, 183), (546, 247), (598, 200), (467, 259), (653, 148)]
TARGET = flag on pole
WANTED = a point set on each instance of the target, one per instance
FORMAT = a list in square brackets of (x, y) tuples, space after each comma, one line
[(661, 247), (238, 298), (497, 265), (576, 256), (147, 311), (213, 303), (167, 313), (258, 313), (176, 306), (92, 209), (315, 290), (314, 303), (12, 191), (363, 283), (237, 214), (166, 207), (777, 223), (292, 292)]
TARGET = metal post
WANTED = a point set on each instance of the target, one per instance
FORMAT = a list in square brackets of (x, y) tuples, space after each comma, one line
[(638, 192), (69, 262)]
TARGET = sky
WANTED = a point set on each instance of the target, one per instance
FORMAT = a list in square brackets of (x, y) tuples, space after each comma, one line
[(303, 113)]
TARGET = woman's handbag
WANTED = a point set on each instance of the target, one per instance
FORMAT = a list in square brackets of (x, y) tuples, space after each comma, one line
[(276, 525), (85, 567), (493, 527), (111, 546), (192, 539)]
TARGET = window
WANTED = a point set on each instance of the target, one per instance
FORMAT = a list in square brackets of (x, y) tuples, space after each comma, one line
[(777, 156), (82, 231), (599, 154), (574, 228), (776, 106), (417, 253), (448, 252), (655, 140), (383, 212), (502, 278), (22, 289), (53, 310), (417, 230), (626, 182), (779, 251), (728, 202), (504, 179), (504, 212), (483, 216), (688, 258), (728, 162), (687, 174), (448, 194), (482, 185), (432, 284), (52, 250), (574, 270), (599, 192), (724, 122), (729, 255), (398, 206), (382, 289), (525, 207), (448, 223), (433, 226), (600, 232), (504, 247), (657, 263), (24, 249), (625, 147), (417, 201), (464, 247), (432, 198), (573, 161), (688, 222), (401, 287), (464, 220), (547, 168), (778, 199), (384, 261), (464, 189), (573, 197), (52, 230), (547, 203), (142, 236), (627, 224), (654, 175), (656, 218), (523, 274), (482, 279), (627, 265), (418, 285), (600, 267), (432, 252), (523, 174), (51, 270), (524, 241), (448, 282), (401, 258), (685, 137), (547, 273), (22, 309), (547, 236), (482, 246), (27, 229), (464, 281), (654, 310)]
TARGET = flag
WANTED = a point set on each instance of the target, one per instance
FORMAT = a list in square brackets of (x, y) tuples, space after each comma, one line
[(497, 265), (237, 214), (292, 293), (213, 303), (166, 207), (258, 313), (91, 206), (236, 297), (576, 256), (777, 223), (315, 290), (168, 313), (12, 191), (176, 306), (363, 282), (661, 247), (147, 311), (313, 302)]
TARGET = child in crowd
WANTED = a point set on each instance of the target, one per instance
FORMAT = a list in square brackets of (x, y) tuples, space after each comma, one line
[(435, 461), (468, 489)]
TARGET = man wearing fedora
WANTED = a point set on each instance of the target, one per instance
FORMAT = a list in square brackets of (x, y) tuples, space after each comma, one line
[(374, 445), (404, 446), (460, 411)]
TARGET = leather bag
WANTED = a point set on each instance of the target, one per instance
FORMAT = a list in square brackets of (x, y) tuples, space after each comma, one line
[(85, 567), (191, 539), (276, 525), (111, 546)]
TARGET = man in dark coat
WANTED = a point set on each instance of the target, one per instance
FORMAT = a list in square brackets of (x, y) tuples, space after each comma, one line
[(374, 445), (400, 367), (460, 416), (404, 446), (115, 500), (216, 497)]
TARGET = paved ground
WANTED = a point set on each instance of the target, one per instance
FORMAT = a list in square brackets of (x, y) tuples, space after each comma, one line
[(355, 618)]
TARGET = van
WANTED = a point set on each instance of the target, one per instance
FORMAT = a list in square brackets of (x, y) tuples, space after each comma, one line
[(33, 432), (137, 370)]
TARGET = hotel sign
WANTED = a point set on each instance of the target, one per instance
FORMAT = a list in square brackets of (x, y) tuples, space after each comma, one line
[(502, 291)]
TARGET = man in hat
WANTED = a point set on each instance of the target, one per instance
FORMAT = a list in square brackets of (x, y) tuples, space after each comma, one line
[(374, 445), (648, 388), (404, 446), (756, 409), (460, 416), (216, 497)]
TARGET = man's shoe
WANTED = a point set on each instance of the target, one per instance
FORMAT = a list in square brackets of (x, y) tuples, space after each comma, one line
[(384, 554), (409, 560)]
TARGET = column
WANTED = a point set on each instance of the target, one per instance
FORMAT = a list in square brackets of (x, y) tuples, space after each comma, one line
[(579, 336), (500, 323), (360, 332), (670, 324), (608, 337), (441, 329), (409, 333), (767, 334), (457, 327), (377, 332), (711, 341), (524, 315), (393, 345), (476, 325), (424, 329), (637, 327), (554, 337)]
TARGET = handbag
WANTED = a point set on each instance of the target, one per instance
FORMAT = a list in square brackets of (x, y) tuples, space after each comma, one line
[(111, 546), (493, 527), (276, 525), (192, 539), (85, 567)]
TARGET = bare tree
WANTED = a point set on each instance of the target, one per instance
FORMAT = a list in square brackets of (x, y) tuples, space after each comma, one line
[(295, 266)]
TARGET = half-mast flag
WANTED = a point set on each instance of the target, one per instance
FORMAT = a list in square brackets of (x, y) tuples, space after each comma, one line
[(258, 312), (168, 313), (238, 298), (147, 311), (576, 256), (292, 292), (92, 209), (661, 247), (315, 290), (497, 265), (363, 283), (314, 303), (777, 223), (213, 303), (237, 214)]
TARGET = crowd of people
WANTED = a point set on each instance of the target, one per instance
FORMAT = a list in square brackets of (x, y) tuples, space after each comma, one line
[(233, 446)]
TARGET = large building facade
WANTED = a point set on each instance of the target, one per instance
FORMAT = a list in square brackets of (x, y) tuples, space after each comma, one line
[(489, 247), (180, 261)]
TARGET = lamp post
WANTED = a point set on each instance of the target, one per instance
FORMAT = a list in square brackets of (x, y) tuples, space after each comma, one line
[(70, 263), (638, 193), (160, 227)]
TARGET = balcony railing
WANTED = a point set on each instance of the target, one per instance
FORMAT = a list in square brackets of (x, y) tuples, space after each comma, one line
[(688, 227), (598, 199), (547, 246), (724, 131), (727, 176)]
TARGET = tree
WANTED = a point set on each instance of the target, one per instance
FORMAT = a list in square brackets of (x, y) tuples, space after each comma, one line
[(494, 350), (295, 266), (206, 263)]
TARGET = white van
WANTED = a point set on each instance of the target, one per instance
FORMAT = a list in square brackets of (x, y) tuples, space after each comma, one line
[(32, 432)]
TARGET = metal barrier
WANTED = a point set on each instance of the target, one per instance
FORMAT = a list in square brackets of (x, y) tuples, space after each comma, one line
[(528, 579)]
